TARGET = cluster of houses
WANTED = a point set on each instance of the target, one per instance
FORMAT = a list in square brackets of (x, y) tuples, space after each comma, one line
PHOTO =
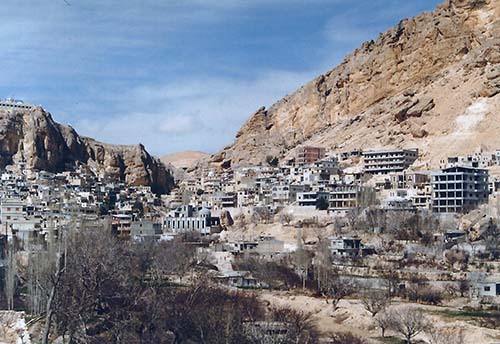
[(344, 181), (37, 205)]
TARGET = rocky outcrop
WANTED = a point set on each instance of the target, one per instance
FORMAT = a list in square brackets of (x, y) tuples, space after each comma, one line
[(34, 138), (407, 88), (226, 220), (475, 223)]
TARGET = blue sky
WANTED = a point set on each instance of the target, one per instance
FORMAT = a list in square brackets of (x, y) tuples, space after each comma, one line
[(177, 74)]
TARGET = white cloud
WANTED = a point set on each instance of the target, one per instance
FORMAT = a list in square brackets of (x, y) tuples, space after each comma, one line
[(178, 124), (205, 111)]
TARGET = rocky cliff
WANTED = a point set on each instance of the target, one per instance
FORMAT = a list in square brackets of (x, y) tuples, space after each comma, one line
[(432, 82), (33, 137)]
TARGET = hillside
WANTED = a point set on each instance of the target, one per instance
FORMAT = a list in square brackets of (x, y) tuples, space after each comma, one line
[(432, 82), (34, 138), (184, 159)]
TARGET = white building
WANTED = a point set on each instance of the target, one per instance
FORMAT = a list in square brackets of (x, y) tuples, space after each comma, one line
[(11, 209), (187, 219)]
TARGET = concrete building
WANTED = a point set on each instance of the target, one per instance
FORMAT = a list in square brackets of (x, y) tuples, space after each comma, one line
[(310, 199), (487, 287), (350, 196), (11, 209), (10, 103), (223, 200), (144, 229), (386, 161), (280, 193), (421, 197), (187, 218), (345, 246), (459, 189), (120, 225), (308, 155)]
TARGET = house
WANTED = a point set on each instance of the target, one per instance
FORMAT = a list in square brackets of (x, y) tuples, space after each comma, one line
[(345, 246), (238, 279), (486, 287), (243, 246)]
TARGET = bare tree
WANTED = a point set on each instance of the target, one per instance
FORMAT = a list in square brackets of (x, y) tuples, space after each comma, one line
[(353, 216), (384, 321), (392, 280), (375, 301), (409, 322), (302, 260), (285, 218), (335, 289), (241, 221), (445, 335), (174, 258), (10, 278), (301, 328), (261, 215), (492, 238), (463, 286), (51, 289), (322, 262)]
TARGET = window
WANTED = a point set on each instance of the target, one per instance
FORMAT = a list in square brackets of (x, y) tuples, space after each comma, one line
[(486, 288)]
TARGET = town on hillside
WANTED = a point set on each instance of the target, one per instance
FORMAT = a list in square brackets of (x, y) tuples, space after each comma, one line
[(238, 172), (337, 226)]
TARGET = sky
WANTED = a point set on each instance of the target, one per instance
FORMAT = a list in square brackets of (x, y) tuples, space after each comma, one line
[(177, 74)]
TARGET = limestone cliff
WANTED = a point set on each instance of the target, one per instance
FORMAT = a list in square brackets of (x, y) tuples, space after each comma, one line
[(431, 82), (33, 137)]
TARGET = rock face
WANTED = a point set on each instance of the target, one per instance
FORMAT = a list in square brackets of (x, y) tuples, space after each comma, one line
[(33, 137), (432, 82)]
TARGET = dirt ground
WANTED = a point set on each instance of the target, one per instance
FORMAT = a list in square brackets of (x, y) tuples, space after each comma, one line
[(352, 317)]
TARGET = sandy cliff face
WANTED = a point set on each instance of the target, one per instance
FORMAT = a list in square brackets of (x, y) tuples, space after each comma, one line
[(33, 137), (431, 82)]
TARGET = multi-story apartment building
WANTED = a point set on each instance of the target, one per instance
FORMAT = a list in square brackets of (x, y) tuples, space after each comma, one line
[(308, 155), (459, 189), (350, 196), (386, 161)]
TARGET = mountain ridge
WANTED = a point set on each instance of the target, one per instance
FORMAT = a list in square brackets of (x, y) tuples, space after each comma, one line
[(32, 137), (184, 159), (414, 86)]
